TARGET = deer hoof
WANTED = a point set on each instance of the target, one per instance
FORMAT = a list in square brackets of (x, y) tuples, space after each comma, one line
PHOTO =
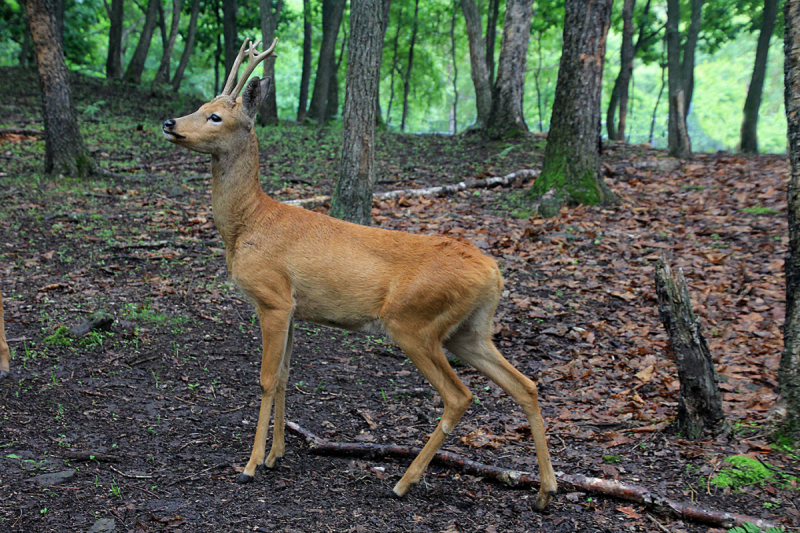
[(542, 499), (244, 478)]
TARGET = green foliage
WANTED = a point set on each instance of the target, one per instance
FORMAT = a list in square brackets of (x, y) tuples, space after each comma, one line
[(746, 470), (749, 527)]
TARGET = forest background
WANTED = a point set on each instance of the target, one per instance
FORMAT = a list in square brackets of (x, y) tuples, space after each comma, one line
[(441, 96)]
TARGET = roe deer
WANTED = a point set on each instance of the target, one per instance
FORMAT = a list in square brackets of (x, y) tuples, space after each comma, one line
[(5, 353), (423, 291)]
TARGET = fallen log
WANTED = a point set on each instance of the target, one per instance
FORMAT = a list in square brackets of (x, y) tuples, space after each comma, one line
[(472, 183), (519, 479)]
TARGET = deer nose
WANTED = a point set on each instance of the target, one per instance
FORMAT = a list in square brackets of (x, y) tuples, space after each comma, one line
[(168, 124)]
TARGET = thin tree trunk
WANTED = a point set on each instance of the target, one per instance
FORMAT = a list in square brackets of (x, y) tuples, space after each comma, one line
[(352, 199), (387, 4), (689, 49), (187, 47), (571, 168), (785, 418), (332, 13), (65, 150), (749, 133), (536, 82), (162, 74), (479, 70), (407, 77), (679, 146), (506, 117), (491, 37), (133, 74), (305, 75), (229, 33), (269, 23), (332, 107), (395, 66), (454, 109), (626, 65), (655, 107), (114, 58)]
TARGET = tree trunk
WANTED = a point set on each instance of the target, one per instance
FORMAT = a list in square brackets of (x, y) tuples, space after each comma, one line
[(332, 107), (481, 79), (407, 77), (454, 58), (352, 199), (65, 151), (162, 74), (387, 4), (749, 133), (114, 58), (230, 35), (187, 47), (689, 48), (332, 12), (506, 117), (571, 168), (626, 65), (786, 414), (699, 402), (491, 36), (305, 76), (679, 146), (269, 23), (133, 74), (395, 65)]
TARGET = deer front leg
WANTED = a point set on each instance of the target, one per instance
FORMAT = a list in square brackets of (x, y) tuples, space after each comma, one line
[(278, 445), (275, 332)]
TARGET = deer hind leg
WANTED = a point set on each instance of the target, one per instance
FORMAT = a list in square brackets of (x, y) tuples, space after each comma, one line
[(5, 354), (478, 350), (432, 363), (275, 332)]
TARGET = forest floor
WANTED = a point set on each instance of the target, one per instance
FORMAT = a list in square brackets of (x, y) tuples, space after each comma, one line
[(144, 427)]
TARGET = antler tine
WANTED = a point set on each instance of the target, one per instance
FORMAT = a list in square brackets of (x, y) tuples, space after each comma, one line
[(236, 64), (253, 59)]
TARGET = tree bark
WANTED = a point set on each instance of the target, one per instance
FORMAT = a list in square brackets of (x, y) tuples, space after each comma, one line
[(689, 49), (229, 34), (352, 199), (305, 75), (479, 71), (571, 168), (162, 74), (749, 133), (626, 65), (699, 402), (680, 67), (65, 151), (407, 77), (454, 59), (387, 4), (187, 47), (493, 15), (133, 74), (332, 13), (114, 58), (506, 117), (786, 413), (269, 23)]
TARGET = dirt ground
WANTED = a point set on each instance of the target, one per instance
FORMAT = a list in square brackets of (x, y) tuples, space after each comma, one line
[(144, 427)]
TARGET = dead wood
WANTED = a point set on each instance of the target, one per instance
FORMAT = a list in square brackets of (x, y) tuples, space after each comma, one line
[(99, 320), (519, 479), (699, 401), (523, 175)]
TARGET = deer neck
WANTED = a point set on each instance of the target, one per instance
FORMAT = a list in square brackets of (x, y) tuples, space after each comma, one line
[(236, 193)]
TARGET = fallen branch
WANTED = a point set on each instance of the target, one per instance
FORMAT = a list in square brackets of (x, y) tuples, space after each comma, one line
[(472, 183), (518, 479)]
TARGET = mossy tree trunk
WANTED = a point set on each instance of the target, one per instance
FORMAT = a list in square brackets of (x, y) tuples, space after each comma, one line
[(571, 169)]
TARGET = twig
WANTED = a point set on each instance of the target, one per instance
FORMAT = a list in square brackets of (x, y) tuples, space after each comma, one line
[(518, 479), (193, 476), (132, 476), (658, 524)]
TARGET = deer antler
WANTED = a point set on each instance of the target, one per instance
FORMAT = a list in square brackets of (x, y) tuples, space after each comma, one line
[(253, 59)]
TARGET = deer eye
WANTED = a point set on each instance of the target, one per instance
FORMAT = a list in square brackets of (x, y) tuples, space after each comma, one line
[(215, 118)]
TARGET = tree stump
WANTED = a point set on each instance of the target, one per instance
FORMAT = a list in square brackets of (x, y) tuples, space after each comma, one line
[(699, 402)]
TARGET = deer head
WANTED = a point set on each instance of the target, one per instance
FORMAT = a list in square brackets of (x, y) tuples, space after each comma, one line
[(226, 122)]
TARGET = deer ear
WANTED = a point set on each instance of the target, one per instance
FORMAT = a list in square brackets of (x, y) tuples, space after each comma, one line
[(254, 93)]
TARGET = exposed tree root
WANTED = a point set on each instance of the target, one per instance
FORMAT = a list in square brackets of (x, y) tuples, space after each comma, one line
[(518, 479)]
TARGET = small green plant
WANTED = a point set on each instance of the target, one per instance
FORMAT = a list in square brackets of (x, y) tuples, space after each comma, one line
[(116, 489), (612, 459), (761, 210), (60, 337), (749, 527), (743, 471)]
